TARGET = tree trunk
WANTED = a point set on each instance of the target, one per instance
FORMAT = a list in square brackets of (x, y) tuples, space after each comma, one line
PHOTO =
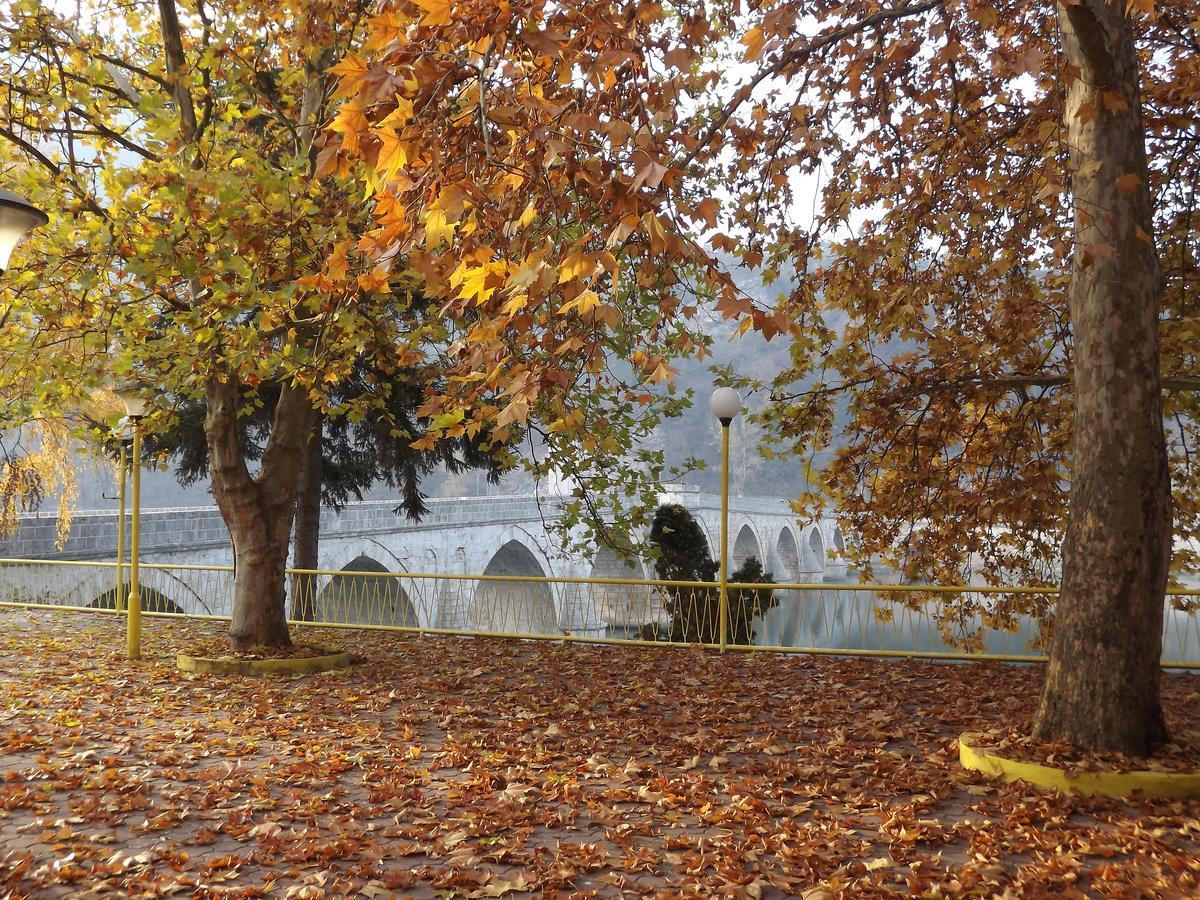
[(1102, 684), (308, 530), (257, 509)]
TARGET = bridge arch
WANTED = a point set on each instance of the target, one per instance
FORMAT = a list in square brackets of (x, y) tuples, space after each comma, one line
[(199, 591), (623, 608), (345, 555), (150, 599), (745, 545), (515, 607), (814, 550), (779, 626), (370, 599), (786, 564)]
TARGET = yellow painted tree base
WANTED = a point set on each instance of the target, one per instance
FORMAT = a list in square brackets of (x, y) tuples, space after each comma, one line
[(228, 665), (1172, 785)]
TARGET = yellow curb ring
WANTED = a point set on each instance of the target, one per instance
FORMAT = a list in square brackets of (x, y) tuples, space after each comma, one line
[(227, 665), (1167, 785)]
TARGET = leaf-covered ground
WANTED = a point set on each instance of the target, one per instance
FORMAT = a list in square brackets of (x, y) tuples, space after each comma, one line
[(460, 767)]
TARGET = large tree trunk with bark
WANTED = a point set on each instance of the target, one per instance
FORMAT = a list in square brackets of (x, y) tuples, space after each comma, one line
[(1102, 685), (258, 509), (308, 529)]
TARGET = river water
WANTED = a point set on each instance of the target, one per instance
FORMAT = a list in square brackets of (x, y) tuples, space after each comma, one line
[(836, 618)]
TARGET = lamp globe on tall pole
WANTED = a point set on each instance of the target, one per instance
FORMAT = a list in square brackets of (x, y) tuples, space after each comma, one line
[(725, 404), (17, 216), (135, 409)]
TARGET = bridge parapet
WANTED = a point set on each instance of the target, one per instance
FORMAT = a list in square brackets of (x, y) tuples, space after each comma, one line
[(94, 532), (177, 530)]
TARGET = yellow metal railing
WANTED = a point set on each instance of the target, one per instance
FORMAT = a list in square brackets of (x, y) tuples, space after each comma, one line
[(841, 619)]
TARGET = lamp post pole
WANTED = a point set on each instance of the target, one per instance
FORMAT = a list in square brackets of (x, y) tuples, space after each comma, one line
[(135, 410), (133, 626), (725, 404), (724, 533)]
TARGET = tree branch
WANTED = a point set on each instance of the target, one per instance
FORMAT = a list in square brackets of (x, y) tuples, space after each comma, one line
[(1169, 383), (820, 42), (58, 172), (176, 62)]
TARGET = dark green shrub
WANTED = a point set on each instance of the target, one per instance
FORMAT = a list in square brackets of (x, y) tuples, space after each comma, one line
[(694, 612)]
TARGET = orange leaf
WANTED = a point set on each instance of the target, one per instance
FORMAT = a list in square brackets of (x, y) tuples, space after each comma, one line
[(437, 12)]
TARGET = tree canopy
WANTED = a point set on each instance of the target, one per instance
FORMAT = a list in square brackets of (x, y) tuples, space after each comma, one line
[(968, 192), (906, 163)]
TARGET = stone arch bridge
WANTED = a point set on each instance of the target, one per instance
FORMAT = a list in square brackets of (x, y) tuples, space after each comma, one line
[(492, 536)]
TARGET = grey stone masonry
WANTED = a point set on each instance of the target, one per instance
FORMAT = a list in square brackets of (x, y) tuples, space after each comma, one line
[(93, 533)]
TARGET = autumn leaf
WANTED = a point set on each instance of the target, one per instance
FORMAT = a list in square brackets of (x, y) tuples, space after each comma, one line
[(753, 41), (707, 209), (363, 817), (437, 12), (577, 266), (583, 302)]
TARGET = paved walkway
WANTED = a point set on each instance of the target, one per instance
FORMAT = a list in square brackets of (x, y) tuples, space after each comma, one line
[(477, 768)]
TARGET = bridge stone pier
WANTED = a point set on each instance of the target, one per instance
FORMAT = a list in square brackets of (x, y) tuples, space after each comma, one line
[(490, 535)]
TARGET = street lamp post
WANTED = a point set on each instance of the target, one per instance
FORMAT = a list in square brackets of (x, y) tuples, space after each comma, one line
[(135, 409), (123, 476), (17, 216), (725, 404)]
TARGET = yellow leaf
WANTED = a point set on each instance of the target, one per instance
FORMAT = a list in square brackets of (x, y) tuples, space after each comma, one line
[(392, 154), (577, 265), (351, 66), (474, 284), (753, 40), (654, 229), (437, 229), (445, 420), (525, 275), (515, 304), (585, 302), (437, 12), (400, 116)]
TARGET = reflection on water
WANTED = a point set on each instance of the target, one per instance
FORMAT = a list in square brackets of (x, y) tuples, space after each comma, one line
[(834, 618)]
